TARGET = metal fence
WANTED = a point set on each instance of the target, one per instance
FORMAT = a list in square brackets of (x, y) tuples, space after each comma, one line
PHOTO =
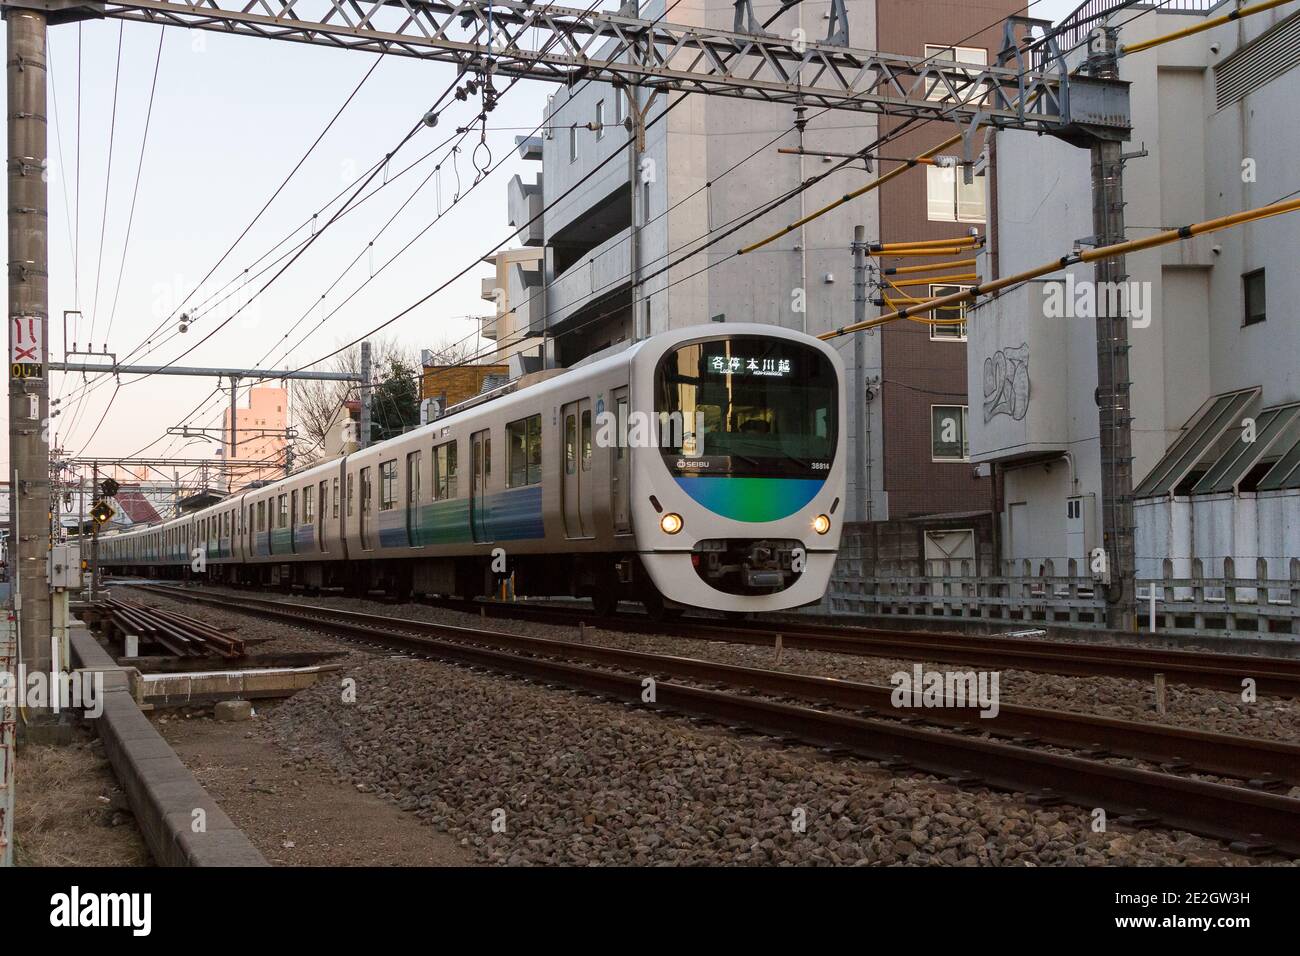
[(1025, 592), (1076, 26), (1225, 606)]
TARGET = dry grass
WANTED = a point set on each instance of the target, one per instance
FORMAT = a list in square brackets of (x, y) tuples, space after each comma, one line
[(65, 806)]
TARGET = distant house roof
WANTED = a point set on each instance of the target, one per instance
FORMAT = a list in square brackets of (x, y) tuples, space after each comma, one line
[(135, 506)]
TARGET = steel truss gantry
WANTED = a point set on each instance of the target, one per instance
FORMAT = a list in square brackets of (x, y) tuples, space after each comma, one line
[(1028, 87)]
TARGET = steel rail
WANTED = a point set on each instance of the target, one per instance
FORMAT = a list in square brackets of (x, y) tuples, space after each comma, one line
[(1177, 801), (1272, 675)]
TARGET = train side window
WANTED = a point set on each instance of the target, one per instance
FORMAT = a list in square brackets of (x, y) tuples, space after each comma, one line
[(523, 452), (586, 440), (334, 509), (349, 494), (387, 484), (261, 516), (444, 471), (620, 417), (282, 516), (487, 459), (517, 453), (535, 450), (570, 444), (308, 505), (365, 491)]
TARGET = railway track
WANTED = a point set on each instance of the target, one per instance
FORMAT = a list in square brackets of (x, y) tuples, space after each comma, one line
[(1250, 817), (1272, 675)]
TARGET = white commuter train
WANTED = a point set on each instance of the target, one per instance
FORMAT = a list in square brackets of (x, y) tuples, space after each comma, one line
[(702, 467)]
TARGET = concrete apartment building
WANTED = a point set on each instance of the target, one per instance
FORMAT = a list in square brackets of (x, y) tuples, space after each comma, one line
[(260, 434), (1215, 341), (708, 164), (516, 277)]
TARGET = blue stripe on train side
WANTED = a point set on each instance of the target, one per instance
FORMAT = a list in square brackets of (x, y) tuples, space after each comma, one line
[(392, 528), (304, 537), (515, 514), (512, 515)]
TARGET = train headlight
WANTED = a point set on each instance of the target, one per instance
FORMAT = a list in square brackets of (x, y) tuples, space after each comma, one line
[(821, 524), (671, 523)]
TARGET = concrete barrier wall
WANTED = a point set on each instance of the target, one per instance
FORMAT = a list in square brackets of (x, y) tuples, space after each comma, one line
[(163, 793)]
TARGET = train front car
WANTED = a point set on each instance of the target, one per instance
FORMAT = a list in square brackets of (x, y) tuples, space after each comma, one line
[(738, 500)]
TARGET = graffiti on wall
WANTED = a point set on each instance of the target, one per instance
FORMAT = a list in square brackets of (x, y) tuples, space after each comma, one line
[(1006, 383)]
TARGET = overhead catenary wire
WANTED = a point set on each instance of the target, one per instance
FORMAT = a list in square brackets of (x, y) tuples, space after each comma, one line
[(337, 215), (777, 202), (245, 231), (850, 196), (135, 191), (458, 197)]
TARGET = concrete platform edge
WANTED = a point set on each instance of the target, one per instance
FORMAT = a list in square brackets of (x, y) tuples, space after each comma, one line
[(163, 793)]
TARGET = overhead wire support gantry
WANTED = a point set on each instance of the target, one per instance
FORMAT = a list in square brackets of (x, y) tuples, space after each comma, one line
[(567, 45)]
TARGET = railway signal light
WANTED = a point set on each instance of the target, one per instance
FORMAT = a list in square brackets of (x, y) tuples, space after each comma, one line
[(110, 487), (102, 513)]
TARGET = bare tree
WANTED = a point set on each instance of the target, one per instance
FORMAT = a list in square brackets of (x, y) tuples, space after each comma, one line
[(319, 406)]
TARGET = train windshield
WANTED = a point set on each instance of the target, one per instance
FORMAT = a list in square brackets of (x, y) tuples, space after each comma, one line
[(747, 406)]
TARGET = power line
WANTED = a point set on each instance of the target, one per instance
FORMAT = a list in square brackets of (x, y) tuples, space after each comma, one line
[(135, 192), (108, 179)]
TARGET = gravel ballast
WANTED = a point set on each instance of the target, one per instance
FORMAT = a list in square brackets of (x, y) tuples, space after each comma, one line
[(522, 774)]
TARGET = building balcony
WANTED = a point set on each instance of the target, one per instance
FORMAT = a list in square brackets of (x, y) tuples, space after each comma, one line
[(604, 270), (524, 202)]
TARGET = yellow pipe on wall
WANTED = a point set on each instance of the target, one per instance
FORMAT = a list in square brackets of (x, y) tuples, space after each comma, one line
[(1125, 48), (928, 280), (1088, 255), (929, 266)]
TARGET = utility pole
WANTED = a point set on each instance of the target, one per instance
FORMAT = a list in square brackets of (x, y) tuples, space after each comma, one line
[(363, 440), (94, 540), (81, 520), (29, 504), (230, 457), (862, 509), (1113, 384)]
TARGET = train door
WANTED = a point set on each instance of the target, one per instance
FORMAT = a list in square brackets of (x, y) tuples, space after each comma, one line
[(577, 475), (322, 503), (364, 480), (620, 472), (481, 460), (413, 500)]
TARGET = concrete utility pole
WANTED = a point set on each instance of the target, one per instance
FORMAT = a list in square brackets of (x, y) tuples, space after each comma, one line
[(29, 504), (862, 502), (1113, 384), (234, 410), (363, 440), (94, 539)]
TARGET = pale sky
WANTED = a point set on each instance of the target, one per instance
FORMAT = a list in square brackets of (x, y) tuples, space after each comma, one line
[(231, 116)]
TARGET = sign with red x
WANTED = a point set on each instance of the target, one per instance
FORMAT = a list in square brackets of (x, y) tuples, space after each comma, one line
[(26, 346)]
